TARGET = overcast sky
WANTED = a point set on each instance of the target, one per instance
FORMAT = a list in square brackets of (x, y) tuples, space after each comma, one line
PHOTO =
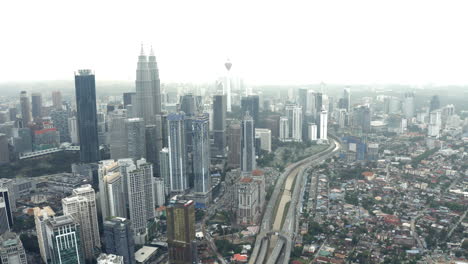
[(268, 42)]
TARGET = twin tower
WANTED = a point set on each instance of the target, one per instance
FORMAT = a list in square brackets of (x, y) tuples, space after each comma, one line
[(148, 88)]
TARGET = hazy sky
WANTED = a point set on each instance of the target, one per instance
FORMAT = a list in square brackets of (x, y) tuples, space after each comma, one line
[(349, 41)]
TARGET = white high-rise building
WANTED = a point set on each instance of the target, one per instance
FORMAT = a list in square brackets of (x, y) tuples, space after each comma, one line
[(312, 129), (159, 191), (140, 198), (342, 118), (323, 124), (73, 130), (40, 217), (88, 192), (12, 250), (294, 114), (284, 129), (408, 105), (265, 138), (79, 208), (111, 186)]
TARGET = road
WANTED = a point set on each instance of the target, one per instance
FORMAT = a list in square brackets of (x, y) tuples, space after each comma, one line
[(280, 237)]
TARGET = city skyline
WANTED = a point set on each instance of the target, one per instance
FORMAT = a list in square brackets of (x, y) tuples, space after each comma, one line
[(395, 42)]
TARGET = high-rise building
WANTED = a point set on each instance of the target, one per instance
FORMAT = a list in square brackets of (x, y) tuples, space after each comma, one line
[(60, 120), (64, 240), (4, 150), (118, 139), (361, 118), (227, 85), (324, 124), (248, 163), (178, 180), (85, 93), (40, 218), (4, 222), (164, 169), (201, 153), (12, 250), (57, 100), (247, 201), (136, 138), (434, 104), (312, 130), (155, 82), (148, 94), (78, 207), (129, 98), (13, 112), (294, 115), (284, 129), (25, 108), (73, 130), (36, 103), (234, 136), (7, 194), (154, 144), (181, 232), (140, 198), (159, 191), (265, 138), (219, 123), (188, 104), (347, 99), (111, 186), (408, 105), (251, 104), (118, 238)]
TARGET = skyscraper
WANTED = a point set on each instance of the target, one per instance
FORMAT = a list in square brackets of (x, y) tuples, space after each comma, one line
[(4, 222), (323, 124), (57, 100), (25, 108), (181, 232), (129, 98), (434, 104), (227, 85), (40, 218), (234, 135), (136, 138), (36, 100), (118, 139), (73, 130), (219, 123), (251, 104), (347, 99), (11, 249), (7, 195), (60, 120), (248, 144), (154, 144), (201, 153), (111, 184), (147, 84), (164, 169), (294, 115), (140, 198), (188, 104), (177, 152), (4, 150), (284, 129), (159, 191), (118, 237), (65, 247), (155, 82), (85, 92), (408, 105)]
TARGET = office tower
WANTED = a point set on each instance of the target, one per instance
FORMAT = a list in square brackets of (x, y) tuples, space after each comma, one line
[(110, 259), (347, 99), (302, 94), (73, 130), (188, 105), (294, 115), (85, 92), (8, 205), (248, 144), (435, 123), (284, 129), (165, 169), (434, 103), (408, 105), (4, 150), (60, 120), (219, 123), (23, 143), (247, 195), (201, 153), (79, 208), (57, 100), (13, 112), (64, 240), (111, 186), (159, 191), (234, 135), (4, 221), (101, 128), (181, 232), (118, 238), (25, 108), (40, 218), (251, 104), (324, 124), (36, 102), (11, 249), (265, 138), (155, 82), (140, 198), (361, 118), (118, 141), (177, 155), (154, 145), (136, 138), (227, 85), (129, 98), (312, 130)]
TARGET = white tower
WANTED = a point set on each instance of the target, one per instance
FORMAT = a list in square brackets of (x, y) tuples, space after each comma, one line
[(323, 124), (227, 88)]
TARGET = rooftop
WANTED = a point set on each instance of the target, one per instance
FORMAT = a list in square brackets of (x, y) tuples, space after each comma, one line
[(144, 253)]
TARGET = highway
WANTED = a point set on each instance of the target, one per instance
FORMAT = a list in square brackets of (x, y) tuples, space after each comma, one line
[(274, 242)]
